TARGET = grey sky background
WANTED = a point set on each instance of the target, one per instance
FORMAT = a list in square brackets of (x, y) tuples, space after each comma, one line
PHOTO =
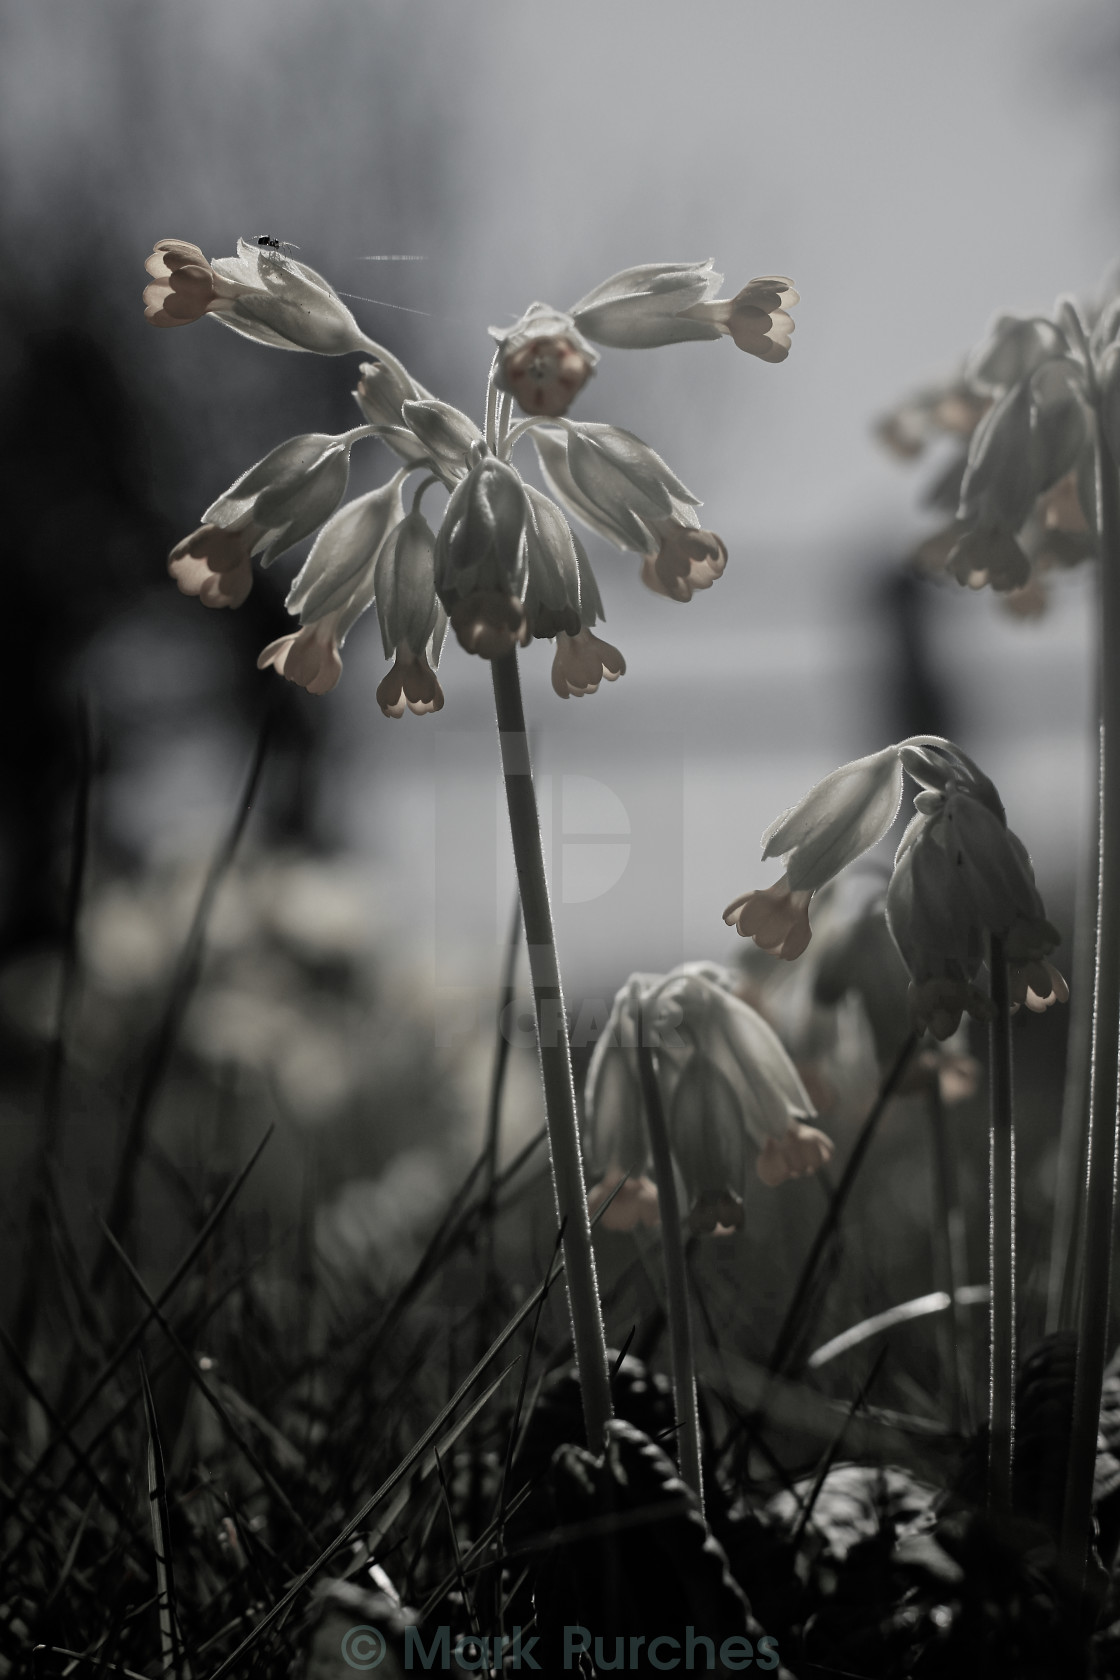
[(915, 168)]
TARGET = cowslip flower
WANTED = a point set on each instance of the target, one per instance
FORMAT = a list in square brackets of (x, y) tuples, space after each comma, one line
[(669, 303), (728, 1088), (481, 558), (333, 588), (960, 878), (1028, 408), (545, 359), (262, 293), (268, 509), (836, 822), (622, 489), (413, 623), (562, 602), (506, 564), (383, 388)]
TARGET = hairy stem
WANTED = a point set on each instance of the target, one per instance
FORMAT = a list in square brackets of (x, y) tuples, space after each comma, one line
[(1100, 1174), (1001, 1241), (1064, 1282), (676, 1280), (588, 1336), (949, 1267)]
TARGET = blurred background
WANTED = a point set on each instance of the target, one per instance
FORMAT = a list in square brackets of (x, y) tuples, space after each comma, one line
[(914, 170)]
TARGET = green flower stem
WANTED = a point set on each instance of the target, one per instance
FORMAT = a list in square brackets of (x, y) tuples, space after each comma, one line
[(1001, 1249), (1064, 1282), (676, 1281), (1100, 1176), (949, 1268), (588, 1336)]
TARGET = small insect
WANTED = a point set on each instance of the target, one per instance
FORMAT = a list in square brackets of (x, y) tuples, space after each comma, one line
[(266, 242)]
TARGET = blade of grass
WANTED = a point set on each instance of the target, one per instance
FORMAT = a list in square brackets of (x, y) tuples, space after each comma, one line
[(213, 1400), (120, 1210), (132, 1340), (515, 1423), (794, 1326), (108, 1497), (468, 1601), (113, 1422), (428, 1464), (161, 1532), (676, 1279), (455, 1227), (950, 1258), (829, 1456), (391, 1481), (43, 1192), (969, 1295)]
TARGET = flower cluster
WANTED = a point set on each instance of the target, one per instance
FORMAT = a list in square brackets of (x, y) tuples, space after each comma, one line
[(960, 879), (504, 565), (1025, 413), (726, 1085)]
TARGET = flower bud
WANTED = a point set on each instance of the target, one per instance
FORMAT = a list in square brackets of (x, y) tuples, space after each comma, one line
[(384, 386), (446, 435), (543, 360), (481, 557)]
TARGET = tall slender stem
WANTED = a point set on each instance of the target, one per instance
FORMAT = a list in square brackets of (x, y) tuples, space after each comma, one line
[(588, 1336), (948, 1252), (676, 1279), (1001, 1242), (1064, 1282), (1100, 1175)]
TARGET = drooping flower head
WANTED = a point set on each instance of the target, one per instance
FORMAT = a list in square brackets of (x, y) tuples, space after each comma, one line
[(729, 1091), (503, 564), (1027, 409), (960, 878), (836, 822)]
